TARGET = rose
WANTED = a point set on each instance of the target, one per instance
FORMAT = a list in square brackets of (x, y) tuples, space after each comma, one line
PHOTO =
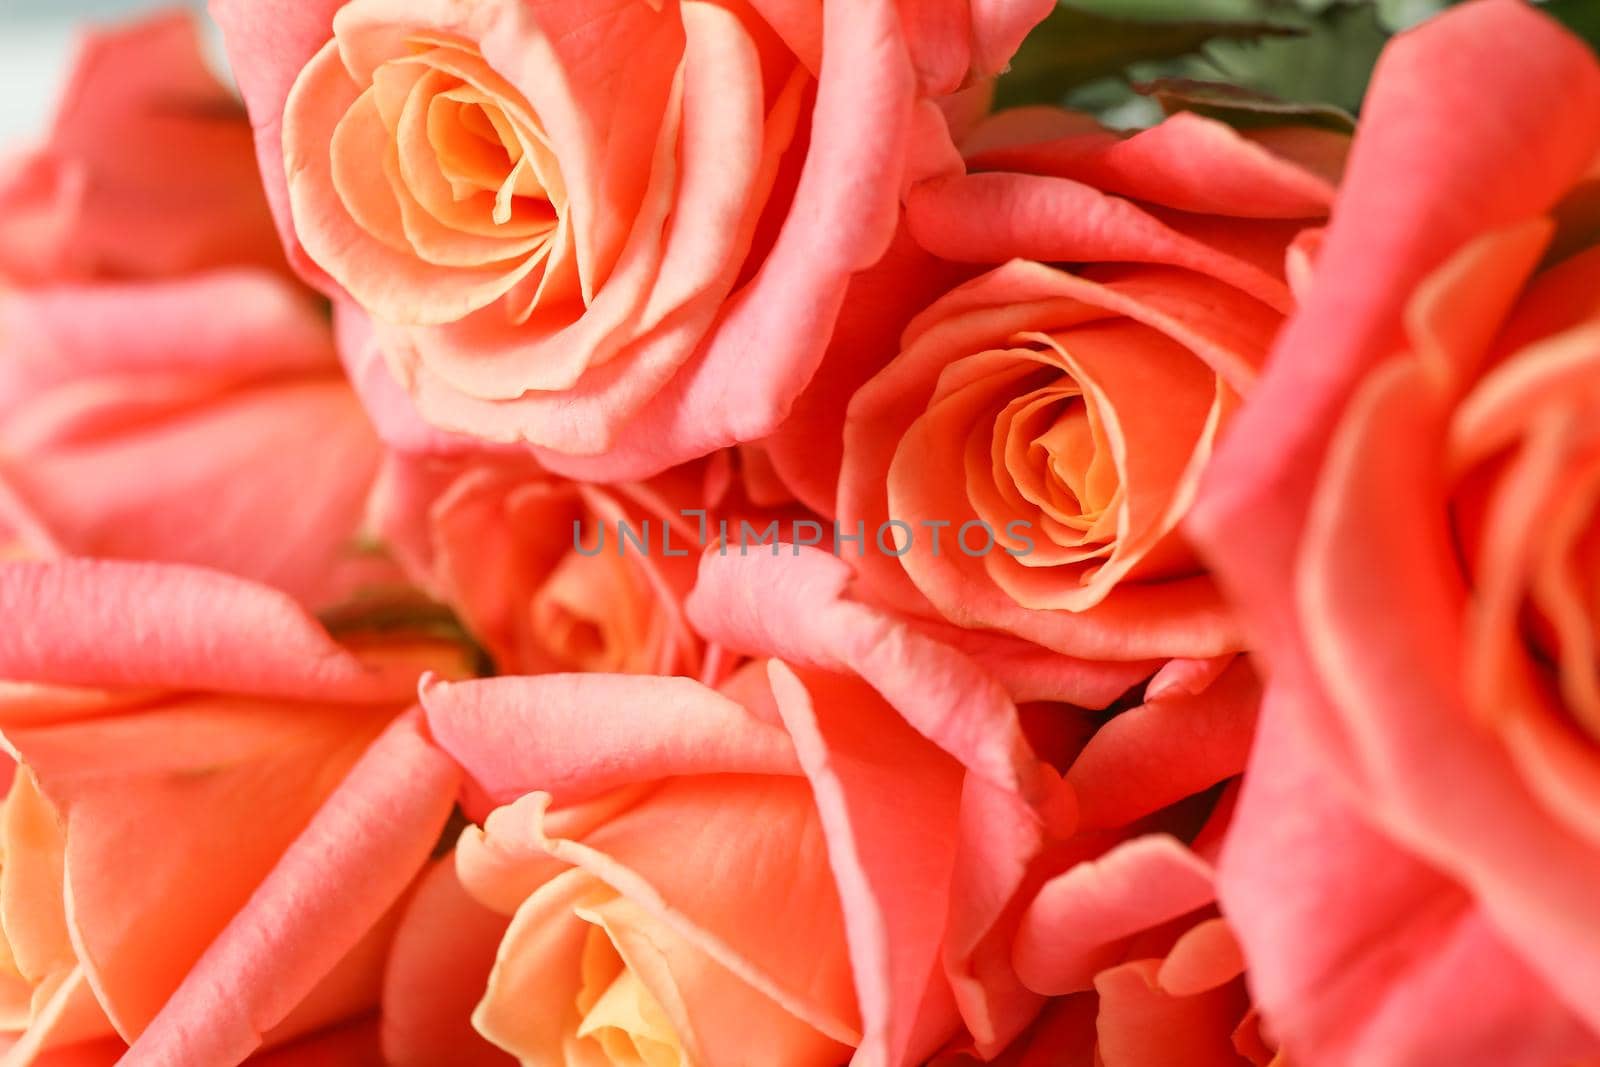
[(800, 858), (215, 807), (555, 575), (1143, 970), (536, 565), (147, 169), (1406, 517), (592, 226), (1042, 431), (135, 423), (1116, 924), (1185, 290), (1142, 777), (163, 396)]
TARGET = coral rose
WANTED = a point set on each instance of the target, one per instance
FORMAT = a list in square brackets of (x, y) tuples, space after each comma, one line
[(1096, 913), (797, 860), (135, 423), (147, 169), (1407, 514), (547, 573), (1026, 459), (618, 230), (1143, 971), (164, 395), (216, 806)]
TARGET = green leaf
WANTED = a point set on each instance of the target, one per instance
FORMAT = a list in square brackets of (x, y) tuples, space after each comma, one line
[(1329, 63), (1242, 108), (1074, 46), (1582, 17)]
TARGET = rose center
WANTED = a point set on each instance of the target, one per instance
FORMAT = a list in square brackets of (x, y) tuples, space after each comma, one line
[(620, 1014), (589, 614), (1043, 455)]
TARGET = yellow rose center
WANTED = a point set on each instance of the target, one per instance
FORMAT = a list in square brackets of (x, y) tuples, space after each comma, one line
[(619, 1014)]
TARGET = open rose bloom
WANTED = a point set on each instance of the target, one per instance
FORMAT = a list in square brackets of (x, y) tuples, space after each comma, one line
[(750, 533)]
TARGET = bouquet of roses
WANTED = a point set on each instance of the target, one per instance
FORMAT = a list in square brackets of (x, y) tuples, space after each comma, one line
[(778, 533)]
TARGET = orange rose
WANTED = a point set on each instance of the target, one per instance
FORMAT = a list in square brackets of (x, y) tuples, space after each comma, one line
[(191, 864), (1408, 517), (618, 230), (800, 859), (1025, 461), (536, 565)]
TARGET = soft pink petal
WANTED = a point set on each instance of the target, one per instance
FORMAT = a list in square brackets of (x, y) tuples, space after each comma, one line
[(133, 625), (995, 217), (751, 604), (1410, 974), (268, 483), (438, 968), (268, 42), (1169, 748), (892, 864), (1187, 162), (159, 331), (1360, 592), (148, 168), (517, 735), (1082, 919)]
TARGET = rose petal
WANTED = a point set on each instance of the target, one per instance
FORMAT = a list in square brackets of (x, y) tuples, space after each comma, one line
[(133, 625), (437, 971), (1081, 919), (517, 735), (359, 852)]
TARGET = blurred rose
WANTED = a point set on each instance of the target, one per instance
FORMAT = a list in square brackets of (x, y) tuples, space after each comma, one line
[(1407, 512), (216, 809), (594, 226), (537, 567), (163, 396), (549, 574), (148, 169), (137, 422), (1029, 454), (794, 860)]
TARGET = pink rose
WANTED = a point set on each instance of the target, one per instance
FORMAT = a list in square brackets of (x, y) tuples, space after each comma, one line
[(538, 568), (598, 227), (215, 807), (1116, 924), (802, 858), (137, 423), (147, 169), (163, 395), (1143, 971), (1406, 515), (1034, 446)]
